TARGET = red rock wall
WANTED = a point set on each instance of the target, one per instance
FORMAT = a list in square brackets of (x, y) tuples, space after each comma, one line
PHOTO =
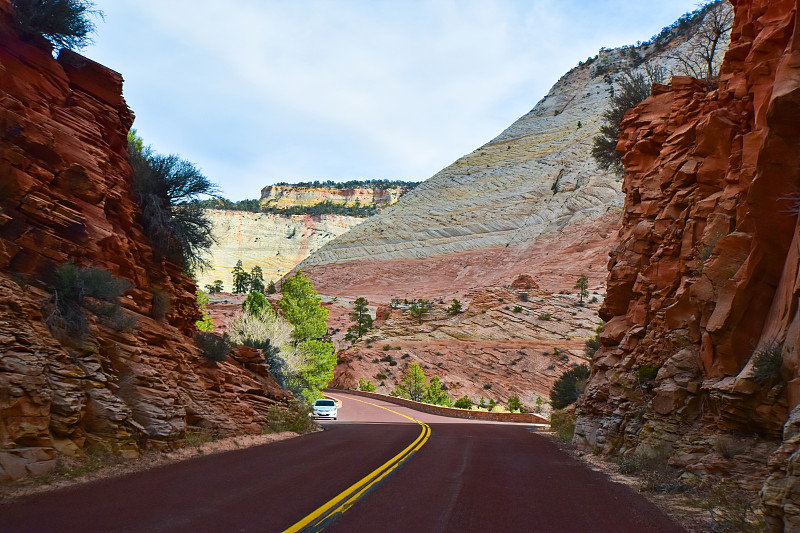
[(65, 196), (706, 274)]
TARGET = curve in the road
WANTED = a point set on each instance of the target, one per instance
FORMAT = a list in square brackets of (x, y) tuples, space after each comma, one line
[(320, 518)]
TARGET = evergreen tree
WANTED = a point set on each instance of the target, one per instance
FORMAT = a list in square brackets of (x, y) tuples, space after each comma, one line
[(412, 386), (215, 287), (362, 319), (255, 303), (241, 279), (367, 386), (514, 404), (256, 279), (569, 386), (419, 308), (271, 287), (436, 394), (455, 308), (302, 307), (583, 287)]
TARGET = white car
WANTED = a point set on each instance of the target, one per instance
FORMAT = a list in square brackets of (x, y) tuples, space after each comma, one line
[(325, 408)]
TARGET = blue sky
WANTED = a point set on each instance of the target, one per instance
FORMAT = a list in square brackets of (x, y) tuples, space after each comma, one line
[(254, 92)]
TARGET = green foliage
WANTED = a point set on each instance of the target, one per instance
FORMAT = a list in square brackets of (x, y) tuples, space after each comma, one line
[(296, 418), (463, 403), (569, 386), (214, 347), (492, 404), (255, 303), (206, 324), (303, 308), (167, 190), (381, 376), (592, 345), (65, 23), (583, 287), (768, 363), (419, 308), (215, 287), (362, 319), (436, 394), (632, 89), (241, 278), (413, 385), (514, 404), (256, 279), (318, 370), (646, 373), (563, 424), (271, 287), (482, 403), (366, 386), (78, 290), (517, 309), (454, 308)]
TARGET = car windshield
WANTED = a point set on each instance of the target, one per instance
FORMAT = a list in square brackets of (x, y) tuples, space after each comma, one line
[(324, 403)]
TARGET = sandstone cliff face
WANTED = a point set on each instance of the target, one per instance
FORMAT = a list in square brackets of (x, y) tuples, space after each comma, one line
[(276, 243), (285, 196), (705, 276), (65, 196)]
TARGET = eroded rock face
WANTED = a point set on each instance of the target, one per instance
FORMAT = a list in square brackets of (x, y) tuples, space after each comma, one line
[(285, 196), (65, 196), (705, 277), (276, 243)]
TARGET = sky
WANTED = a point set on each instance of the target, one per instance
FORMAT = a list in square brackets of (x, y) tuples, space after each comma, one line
[(254, 92)]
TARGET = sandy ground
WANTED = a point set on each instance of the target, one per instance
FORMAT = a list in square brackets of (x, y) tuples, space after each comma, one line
[(150, 459)]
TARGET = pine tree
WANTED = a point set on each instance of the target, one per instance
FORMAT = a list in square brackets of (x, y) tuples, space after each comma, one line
[(362, 319), (583, 287), (256, 279), (241, 279), (412, 386), (419, 308), (302, 307)]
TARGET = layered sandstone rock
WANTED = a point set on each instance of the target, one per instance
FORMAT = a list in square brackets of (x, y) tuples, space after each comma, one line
[(705, 277), (276, 243), (65, 197), (286, 196)]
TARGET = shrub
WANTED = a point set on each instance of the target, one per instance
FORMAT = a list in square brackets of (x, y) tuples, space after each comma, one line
[(517, 309), (545, 316), (569, 386), (514, 404), (367, 386), (255, 303), (271, 287), (767, 364), (592, 345), (380, 376), (167, 190), (524, 297), (296, 417), (463, 403), (487, 386), (563, 424), (454, 308), (646, 373), (214, 347), (77, 290), (65, 23), (386, 347)]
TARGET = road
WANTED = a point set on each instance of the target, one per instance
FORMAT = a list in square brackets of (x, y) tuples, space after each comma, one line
[(461, 476)]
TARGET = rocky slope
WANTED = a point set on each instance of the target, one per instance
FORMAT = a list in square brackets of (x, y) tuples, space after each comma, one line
[(65, 197), (276, 243), (703, 285)]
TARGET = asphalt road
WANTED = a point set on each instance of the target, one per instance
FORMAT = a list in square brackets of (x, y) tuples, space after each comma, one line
[(467, 476)]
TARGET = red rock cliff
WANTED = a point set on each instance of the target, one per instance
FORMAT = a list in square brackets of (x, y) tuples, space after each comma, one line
[(65, 196), (706, 275)]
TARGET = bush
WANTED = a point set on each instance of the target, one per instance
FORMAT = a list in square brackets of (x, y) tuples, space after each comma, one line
[(463, 403), (569, 386), (296, 417), (767, 364), (167, 190), (646, 373), (563, 424), (65, 23), (514, 404), (214, 347), (215, 287), (592, 345), (366, 386), (546, 316), (380, 376), (454, 308), (517, 309), (524, 297), (77, 290)]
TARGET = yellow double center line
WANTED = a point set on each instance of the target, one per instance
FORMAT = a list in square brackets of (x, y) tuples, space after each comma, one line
[(317, 520)]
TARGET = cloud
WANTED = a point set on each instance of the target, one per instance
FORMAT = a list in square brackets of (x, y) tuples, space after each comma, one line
[(256, 92)]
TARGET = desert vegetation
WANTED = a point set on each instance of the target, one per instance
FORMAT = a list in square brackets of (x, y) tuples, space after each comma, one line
[(64, 23)]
